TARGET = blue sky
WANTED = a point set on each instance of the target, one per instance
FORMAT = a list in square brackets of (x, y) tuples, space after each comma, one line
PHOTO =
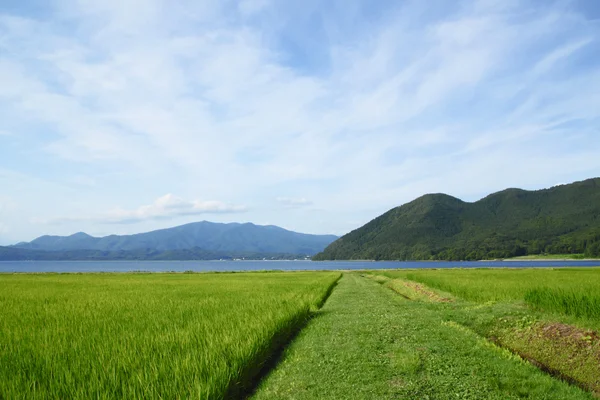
[(122, 116)]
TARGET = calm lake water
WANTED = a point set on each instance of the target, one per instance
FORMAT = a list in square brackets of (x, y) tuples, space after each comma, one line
[(207, 266)]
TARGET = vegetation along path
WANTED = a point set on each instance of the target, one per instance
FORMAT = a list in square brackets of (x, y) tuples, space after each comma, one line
[(369, 342)]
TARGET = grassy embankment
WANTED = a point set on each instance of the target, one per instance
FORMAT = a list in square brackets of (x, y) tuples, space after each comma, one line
[(147, 335), (371, 342), (548, 316), (571, 294), (550, 257)]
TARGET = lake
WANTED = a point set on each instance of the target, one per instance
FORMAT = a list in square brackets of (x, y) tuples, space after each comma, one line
[(228, 266)]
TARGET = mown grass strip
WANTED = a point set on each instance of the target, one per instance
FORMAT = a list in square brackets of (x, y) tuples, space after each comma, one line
[(367, 342), (147, 335), (565, 351)]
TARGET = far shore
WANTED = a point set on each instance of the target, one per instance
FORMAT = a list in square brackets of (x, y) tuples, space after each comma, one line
[(550, 259)]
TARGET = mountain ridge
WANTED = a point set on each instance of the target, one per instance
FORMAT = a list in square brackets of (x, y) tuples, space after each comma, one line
[(564, 219), (218, 238)]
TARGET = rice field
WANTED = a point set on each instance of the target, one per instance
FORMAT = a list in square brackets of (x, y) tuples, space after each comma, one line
[(578, 303), (100, 336), (569, 291)]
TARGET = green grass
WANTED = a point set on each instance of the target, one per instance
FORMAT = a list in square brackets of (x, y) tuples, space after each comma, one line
[(199, 336), (546, 315), (551, 257), (569, 291), (368, 342), (211, 336), (575, 302)]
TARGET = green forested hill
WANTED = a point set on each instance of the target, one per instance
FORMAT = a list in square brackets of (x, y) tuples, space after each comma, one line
[(562, 220)]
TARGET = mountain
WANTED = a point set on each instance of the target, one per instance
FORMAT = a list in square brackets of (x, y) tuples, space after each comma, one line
[(561, 220), (207, 237)]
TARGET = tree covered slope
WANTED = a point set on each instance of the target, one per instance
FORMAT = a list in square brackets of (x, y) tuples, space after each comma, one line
[(561, 220)]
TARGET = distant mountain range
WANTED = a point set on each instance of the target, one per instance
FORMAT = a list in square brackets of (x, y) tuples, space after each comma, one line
[(562, 220), (200, 240)]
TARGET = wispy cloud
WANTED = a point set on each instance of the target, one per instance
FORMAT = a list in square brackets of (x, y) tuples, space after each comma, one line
[(163, 208), (293, 202), (550, 60), (7, 207), (243, 100)]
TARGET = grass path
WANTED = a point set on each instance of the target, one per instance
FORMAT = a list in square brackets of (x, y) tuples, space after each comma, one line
[(368, 342)]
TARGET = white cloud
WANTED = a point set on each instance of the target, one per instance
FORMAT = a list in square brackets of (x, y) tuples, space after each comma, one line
[(3, 229), (249, 7), (163, 208), (244, 100), (293, 202), (169, 206), (7, 207), (555, 56)]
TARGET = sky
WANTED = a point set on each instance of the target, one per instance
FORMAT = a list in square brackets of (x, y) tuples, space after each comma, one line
[(124, 116)]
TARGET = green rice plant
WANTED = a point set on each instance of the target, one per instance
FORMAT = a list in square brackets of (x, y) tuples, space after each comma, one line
[(500, 284), (203, 336), (573, 292), (569, 302)]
